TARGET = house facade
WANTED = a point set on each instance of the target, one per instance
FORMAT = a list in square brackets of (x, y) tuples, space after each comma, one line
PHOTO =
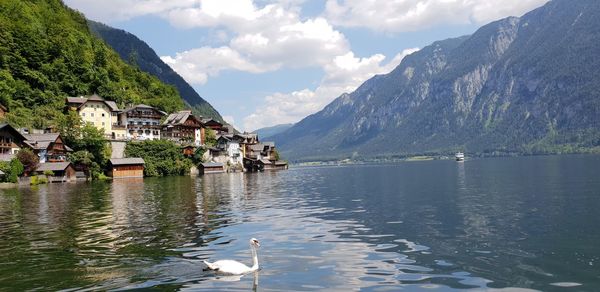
[(183, 128), (11, 141), (49, 147), (143, 122), (229, 145), (103, 114)]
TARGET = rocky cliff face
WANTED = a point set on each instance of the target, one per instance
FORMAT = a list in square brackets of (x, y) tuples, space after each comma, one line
[(516, 85)]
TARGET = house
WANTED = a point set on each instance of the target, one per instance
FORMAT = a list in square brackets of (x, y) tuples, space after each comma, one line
[(280, 165), (189, 150), (229, 145), (211, 167), (126, 167), (183, 128), (11, 141), (61, 171), (103, 114), (49, 147), (143, 122), (214, 125), (261, 151)]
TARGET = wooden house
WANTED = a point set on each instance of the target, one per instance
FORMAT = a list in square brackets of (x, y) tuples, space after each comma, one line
[(183, 128), (126, 167), (49, 147), (214, 125), (188, 150), (211, 167), (11, 141), (61, 171), (280, 165)]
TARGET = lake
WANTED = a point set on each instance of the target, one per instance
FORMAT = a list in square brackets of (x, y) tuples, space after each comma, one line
[(504, 223)]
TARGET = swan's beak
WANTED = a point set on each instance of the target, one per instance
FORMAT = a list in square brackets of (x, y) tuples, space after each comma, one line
[(257, 243)]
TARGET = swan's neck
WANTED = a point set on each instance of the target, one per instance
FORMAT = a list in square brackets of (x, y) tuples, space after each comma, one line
[(254, 258)]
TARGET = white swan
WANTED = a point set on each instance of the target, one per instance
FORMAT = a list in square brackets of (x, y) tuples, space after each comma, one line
[(234, 267)]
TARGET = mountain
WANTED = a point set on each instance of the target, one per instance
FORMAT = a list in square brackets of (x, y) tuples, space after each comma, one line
[(135, 51), (265, 133), (48, 53), (524, 85)]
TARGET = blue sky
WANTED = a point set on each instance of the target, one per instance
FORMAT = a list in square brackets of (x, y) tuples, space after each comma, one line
[(262, 63)]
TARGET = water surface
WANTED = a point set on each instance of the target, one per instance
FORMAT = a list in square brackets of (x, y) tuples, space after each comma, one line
[(485, 224)]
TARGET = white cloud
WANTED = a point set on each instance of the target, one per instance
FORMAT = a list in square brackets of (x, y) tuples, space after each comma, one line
[(197, 65), (264, 39), (117, 10), (410, 15), (343, 74)]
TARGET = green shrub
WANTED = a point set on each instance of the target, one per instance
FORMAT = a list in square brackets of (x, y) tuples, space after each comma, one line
[(48, 173), (161, 157)]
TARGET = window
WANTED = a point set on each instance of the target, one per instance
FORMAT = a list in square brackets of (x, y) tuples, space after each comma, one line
[(102, 114), (102, 124), (83, 114), (92, 114)]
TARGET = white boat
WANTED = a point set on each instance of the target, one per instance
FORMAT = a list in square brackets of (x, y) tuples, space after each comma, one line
[(459, 156)]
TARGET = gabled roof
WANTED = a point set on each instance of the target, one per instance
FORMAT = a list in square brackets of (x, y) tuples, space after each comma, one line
[(211, 164), (42, 141), (143, 106), (126, 161), (13, 131), (54, 166), (79, 101), (265, 161), (179, 118), (280, 162), (46, 137), (257, 147)]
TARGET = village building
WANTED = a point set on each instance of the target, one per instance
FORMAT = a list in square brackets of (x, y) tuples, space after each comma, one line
[(229, 147), (103, 114), (60, 171), (184, 128), (49, 147), (214, 125), (126, 167), (11, 141), (211, 167), (143, 122)]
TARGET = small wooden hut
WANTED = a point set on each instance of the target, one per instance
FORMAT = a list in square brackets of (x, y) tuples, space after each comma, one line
[(211, 167), (126, 167)]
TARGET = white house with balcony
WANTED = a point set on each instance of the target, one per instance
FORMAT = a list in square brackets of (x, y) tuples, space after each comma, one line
[(143, 122)]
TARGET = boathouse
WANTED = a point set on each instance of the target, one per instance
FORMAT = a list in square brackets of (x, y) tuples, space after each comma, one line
[(61, 171), (126, 167), (211, 167)]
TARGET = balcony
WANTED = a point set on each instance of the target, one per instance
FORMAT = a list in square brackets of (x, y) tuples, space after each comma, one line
[(143, 116)]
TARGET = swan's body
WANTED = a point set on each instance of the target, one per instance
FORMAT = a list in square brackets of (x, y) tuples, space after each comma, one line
[(232, 267)]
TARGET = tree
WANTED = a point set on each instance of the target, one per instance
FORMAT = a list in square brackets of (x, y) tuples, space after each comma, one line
[(28, 159), (161, 157), (210, 138)]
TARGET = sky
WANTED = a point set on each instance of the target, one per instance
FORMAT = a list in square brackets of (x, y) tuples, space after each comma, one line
[(262, 63)]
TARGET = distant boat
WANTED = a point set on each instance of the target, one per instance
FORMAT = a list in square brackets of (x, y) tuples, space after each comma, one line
[(459, 156)]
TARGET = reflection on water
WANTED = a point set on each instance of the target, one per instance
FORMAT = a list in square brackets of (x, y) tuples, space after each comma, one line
[(496, 223)]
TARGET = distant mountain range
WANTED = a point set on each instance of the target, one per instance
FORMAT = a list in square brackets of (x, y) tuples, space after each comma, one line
[(137, 52), (525, 85), (266, 133)]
